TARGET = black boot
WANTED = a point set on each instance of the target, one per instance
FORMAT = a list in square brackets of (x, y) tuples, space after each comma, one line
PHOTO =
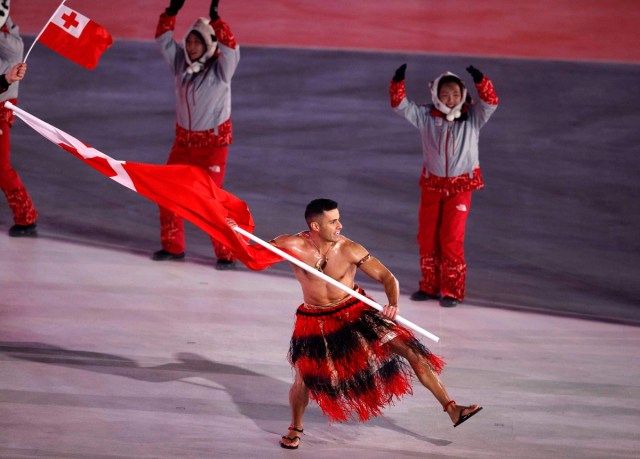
[(421, 295), (225, 265), (449, 302), (23, 230), (162, 255)]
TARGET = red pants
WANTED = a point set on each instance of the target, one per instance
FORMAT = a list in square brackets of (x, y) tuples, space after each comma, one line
[(441, 228), (24, 213), (213, 160)]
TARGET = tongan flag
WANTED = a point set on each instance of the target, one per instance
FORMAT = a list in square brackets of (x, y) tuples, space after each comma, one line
[(76, 37), (185, 190)]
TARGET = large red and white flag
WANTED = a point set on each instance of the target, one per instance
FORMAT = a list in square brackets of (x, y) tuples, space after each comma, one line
[(185, 190), (76, 37)]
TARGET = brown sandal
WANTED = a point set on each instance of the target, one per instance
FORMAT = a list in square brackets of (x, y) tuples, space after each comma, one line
[(292, 439), (461, 417), (464, 417)]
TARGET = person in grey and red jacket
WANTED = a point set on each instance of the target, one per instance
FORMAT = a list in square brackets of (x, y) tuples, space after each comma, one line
[(11, 49), (450, 131), (203, 66)]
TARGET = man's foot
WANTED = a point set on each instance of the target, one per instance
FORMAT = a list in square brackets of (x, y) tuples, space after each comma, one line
[(292, 439), (459, 414), (421, 295), (466, 412), (449, 302), (162, 255), (23, 230), (225, 265)]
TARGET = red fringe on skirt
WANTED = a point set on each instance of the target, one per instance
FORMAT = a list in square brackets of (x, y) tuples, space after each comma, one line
[(341, 352)]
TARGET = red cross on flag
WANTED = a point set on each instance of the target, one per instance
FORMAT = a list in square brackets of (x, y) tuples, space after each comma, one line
[(76, 37)]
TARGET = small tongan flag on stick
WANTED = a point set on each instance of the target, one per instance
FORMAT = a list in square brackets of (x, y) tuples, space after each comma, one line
[(75, 37)]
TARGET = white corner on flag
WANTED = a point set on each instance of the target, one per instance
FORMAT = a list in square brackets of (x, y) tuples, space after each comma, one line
[(70, 21), (60, 138)]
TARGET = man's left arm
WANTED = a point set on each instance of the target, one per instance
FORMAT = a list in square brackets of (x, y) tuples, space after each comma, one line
[(373, 268)]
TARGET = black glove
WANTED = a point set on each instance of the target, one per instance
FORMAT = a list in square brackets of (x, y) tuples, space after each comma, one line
[(399, 75), (213, 10), (174, 7), (475, 74)]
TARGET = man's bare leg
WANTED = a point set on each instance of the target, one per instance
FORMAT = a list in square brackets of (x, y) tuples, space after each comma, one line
[(298, 401), (429, 379)]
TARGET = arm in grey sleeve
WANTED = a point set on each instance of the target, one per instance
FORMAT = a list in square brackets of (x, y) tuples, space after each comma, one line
[(412, 112), (169, 49)]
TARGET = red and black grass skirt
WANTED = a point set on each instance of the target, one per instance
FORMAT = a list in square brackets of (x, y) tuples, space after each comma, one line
[(342, 356)]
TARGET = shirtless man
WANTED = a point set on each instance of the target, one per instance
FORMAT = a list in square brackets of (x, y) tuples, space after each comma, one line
[(348, 357)]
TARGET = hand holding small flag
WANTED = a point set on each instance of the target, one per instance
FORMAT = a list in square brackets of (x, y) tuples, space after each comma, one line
[(16, 73)]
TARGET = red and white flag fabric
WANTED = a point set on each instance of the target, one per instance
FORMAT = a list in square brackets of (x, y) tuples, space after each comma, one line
[(76, 37), (186, 190)]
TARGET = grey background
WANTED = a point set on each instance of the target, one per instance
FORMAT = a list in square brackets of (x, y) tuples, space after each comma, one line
[(555, 229)]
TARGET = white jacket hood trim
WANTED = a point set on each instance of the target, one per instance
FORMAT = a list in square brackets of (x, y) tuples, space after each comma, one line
[(204, 29), (451, 113)]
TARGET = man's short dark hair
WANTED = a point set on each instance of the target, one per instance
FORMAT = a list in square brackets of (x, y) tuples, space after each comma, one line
[(317, 207)]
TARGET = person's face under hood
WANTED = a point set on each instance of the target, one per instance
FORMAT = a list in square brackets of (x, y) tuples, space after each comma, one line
[(195, 47), (450, 94)]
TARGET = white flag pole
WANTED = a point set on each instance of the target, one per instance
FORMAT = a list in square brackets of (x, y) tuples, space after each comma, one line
[(333, 282), (45, 26)]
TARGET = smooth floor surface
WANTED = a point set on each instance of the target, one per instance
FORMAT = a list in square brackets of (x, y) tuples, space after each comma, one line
[(107, 354)]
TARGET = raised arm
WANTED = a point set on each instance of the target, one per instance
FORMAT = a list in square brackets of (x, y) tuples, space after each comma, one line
[(229, 50), (167, 21), (487, 94), (399, 102), (486, 91), (396, 89)]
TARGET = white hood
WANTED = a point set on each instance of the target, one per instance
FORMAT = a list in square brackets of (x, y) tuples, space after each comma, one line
[(204, 29), (451, 113)]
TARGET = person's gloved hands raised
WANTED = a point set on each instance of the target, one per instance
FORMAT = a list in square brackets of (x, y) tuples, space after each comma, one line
[(213, 10), (399, 75), (475, 74), (174, 7)]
